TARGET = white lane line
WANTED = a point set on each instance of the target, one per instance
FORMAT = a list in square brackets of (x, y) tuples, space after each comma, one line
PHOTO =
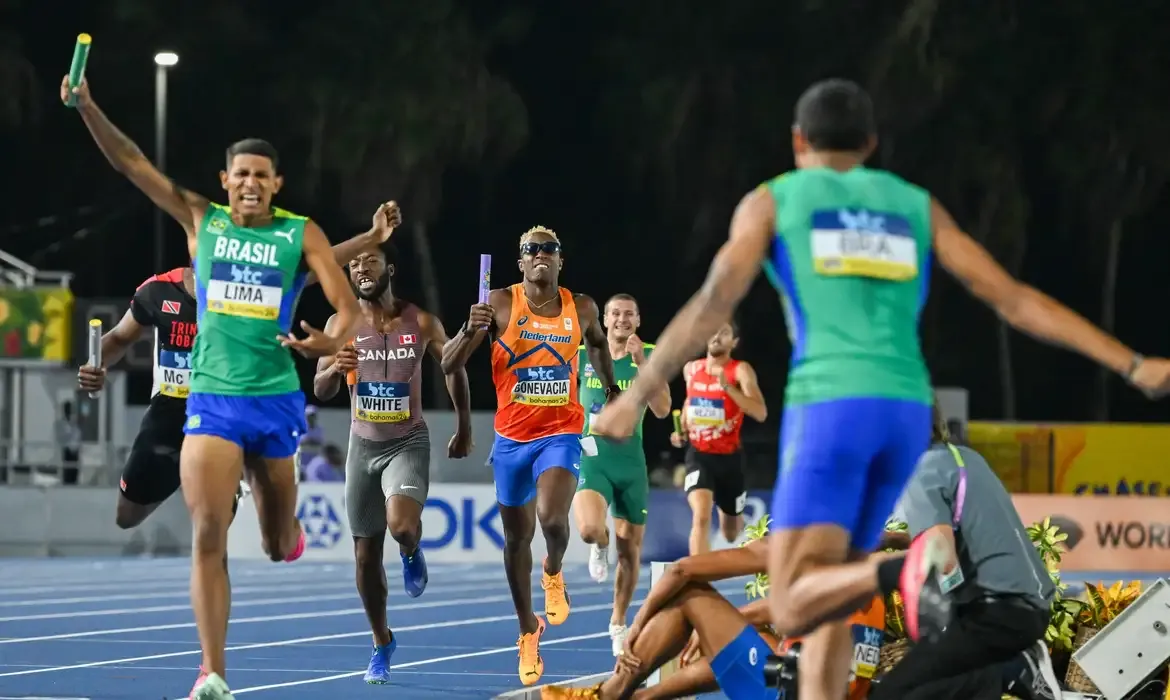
[(422, 662), (310, 640), (273, 618), (349, 594)]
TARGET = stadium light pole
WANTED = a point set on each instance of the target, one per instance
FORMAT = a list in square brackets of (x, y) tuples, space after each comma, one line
[(163, 62)]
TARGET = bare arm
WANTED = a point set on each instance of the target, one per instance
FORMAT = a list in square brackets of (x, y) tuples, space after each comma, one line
[(1021, 306), (459, 348), (457, 387), (118, 339), (596, 344), (747, 394), (327, 380), (735, 267), (127, 158), (660, 402), (319, 257), (704, 568)]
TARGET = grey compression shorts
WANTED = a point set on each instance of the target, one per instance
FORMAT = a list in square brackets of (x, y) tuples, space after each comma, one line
[(375, 471)]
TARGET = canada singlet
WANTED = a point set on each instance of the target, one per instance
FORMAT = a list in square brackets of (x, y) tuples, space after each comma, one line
[(386, 389)]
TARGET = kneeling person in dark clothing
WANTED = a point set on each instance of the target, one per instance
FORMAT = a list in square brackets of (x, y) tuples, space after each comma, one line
[(999, 586)]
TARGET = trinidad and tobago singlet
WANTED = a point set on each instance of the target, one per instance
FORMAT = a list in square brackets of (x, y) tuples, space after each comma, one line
[(248, 281), (386, 390), (534, 367), (713, 418), (851, 260), (162, 303)]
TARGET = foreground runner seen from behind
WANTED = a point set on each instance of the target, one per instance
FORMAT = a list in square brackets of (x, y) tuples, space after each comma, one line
[(849, 249)]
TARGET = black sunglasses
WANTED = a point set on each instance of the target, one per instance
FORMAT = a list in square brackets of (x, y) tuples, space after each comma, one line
[(548, 247)]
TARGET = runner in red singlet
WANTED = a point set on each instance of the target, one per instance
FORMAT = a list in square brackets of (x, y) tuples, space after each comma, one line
[(720, 392)]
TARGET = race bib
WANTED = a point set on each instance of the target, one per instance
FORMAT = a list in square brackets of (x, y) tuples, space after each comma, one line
[(542, 386), (382, 402), (867, 650), (705, 413), (172, 375), (861, 243), (245, 290)]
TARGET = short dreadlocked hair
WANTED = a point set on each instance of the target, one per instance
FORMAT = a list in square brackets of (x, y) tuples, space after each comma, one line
[(538, 229)]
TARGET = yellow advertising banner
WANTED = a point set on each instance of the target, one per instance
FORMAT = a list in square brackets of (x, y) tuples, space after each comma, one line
[(1021, 454), (35, 324), (1111, 459)]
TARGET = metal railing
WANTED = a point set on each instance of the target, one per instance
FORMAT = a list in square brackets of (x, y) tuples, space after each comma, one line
[(17, 273), (32, 463)]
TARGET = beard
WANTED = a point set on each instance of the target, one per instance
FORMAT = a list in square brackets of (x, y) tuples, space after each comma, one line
[(377, 291)]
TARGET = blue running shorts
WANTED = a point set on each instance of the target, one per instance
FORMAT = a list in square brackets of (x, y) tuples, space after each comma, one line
[(739, 667), (846, 462), (517, 465), (268, 426)]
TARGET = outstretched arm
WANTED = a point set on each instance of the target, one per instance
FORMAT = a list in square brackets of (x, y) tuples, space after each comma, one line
[(386, 219), (483, 321), (1021, 306), (746, 392), (735, 267), (183, 206), (319, 258), (596, 344)]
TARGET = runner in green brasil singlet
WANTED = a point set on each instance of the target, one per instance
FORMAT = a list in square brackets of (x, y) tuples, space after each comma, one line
[(248, 281), (850, 250), (613, 472)]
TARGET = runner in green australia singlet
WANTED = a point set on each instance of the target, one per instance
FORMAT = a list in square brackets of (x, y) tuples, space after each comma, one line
[(245, 399), (613, 472), (850, 250)]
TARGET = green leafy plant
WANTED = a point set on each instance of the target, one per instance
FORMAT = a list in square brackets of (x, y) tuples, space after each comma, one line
[(1049, 543), (895, 611), (758, 586)]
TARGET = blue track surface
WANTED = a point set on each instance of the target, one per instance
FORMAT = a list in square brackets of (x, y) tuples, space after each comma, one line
[(122, 630)]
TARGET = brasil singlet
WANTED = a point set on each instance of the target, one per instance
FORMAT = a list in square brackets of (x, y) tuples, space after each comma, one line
[(534, 367), (162, 303), (592, 395), (248, 281), (714, 419), (851, 260), (386, 389)]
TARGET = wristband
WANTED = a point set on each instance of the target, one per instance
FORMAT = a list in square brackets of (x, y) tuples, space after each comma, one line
[(1134, 365), (611, 390)]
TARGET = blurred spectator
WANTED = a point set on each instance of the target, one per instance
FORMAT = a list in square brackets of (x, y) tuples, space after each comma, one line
[(68, 436), (327, 466), (310, 443)]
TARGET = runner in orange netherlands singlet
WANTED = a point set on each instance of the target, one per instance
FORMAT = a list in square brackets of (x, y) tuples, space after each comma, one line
[(535, 329)]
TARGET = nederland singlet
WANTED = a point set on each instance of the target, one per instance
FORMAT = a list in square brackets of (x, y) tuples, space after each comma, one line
[(714, 419), (851, 259), (163, 304), (534, 368)]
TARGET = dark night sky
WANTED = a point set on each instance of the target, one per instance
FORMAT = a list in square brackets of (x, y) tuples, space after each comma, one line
[(567, 176)]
